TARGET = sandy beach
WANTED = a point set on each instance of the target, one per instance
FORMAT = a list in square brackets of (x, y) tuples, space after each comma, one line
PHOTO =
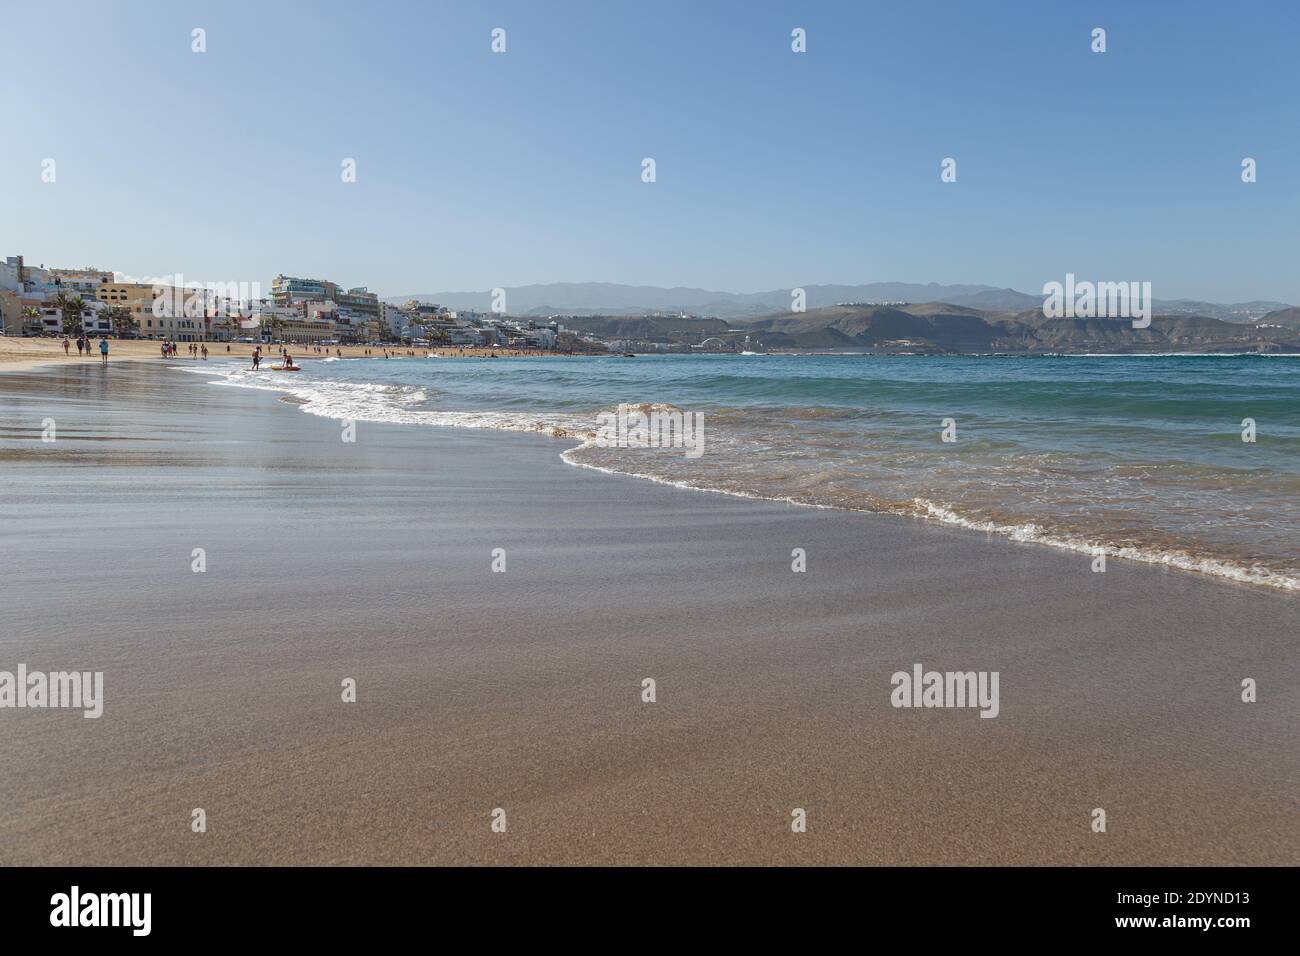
[(27, 353), (372, 560)]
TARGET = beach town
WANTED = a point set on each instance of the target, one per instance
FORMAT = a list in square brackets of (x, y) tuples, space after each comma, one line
[(40, 304)]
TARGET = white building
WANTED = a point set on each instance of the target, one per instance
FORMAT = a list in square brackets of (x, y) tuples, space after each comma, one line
[(352, 324), (30, 281), (93, 321), (9, 279), (396, 319)]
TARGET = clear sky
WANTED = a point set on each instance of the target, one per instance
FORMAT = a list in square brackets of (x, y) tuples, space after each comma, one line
[(774, 169)]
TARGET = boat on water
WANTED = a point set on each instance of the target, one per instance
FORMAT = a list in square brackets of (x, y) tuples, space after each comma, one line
[(286, 368)]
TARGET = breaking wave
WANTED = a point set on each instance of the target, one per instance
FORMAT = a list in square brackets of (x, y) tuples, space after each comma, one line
[(797, 455)]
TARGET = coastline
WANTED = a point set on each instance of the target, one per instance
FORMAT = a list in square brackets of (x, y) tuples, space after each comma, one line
[(340, 401), (1180, 561), (23, 354), (521, 690)]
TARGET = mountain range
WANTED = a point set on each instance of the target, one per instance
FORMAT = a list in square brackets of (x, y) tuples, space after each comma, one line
[(943, 328), (612, 299)]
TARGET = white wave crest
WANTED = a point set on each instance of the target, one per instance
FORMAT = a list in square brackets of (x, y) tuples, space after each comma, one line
[(396, 404)]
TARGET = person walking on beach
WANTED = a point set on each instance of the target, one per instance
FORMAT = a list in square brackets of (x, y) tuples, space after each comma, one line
[(103, 351), (66, 345), (205, 353), (79, 346)]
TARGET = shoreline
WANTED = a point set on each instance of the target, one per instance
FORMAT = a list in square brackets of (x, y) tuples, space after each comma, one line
[(1208, 569), (24, 354), (522, 690), (1180, 560)]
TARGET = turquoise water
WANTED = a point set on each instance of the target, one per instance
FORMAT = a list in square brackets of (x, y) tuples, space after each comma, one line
[(1139, 456)]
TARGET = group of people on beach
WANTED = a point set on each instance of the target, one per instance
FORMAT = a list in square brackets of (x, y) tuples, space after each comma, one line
[(85, 345), (195, 350)]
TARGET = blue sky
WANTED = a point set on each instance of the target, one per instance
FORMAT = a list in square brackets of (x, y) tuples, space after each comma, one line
[(774, 169)]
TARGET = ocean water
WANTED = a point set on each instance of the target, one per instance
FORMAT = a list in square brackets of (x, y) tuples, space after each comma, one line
[(1138, 456)]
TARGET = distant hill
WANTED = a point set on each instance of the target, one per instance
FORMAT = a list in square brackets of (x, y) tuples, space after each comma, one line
[(1000, 300), (1236, 312), (607, 299), (1287, 318), (941, 328), (647, 328)]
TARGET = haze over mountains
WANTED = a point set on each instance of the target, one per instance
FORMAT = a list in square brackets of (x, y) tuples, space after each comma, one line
[(941, 328), (612, 299)]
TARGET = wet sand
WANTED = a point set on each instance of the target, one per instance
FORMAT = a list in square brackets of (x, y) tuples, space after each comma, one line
[(476, 690)]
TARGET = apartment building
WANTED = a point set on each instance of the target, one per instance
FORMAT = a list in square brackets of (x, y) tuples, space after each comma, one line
[(49, 320), (11, 312), (301, 328), (11, 274), (357, 309), (182, 315), (396, 320), (85, 282)]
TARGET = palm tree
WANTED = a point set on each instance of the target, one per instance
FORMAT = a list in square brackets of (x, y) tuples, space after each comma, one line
[(72, 307), (31, 316), (123, 323)]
